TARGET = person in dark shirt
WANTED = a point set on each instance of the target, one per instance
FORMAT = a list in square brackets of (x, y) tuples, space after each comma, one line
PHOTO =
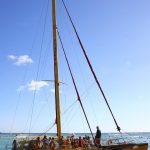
[(98, 137), (14, 145)]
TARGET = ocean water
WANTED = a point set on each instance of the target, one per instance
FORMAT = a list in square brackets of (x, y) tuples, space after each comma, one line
[(6, 139)]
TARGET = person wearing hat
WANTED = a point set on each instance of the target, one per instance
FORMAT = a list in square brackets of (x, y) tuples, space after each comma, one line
[(98, 137)]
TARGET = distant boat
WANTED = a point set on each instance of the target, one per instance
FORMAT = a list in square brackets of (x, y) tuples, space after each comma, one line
[(110, 144)]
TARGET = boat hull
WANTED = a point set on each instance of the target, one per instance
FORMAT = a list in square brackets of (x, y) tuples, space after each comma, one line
[(140, 146)]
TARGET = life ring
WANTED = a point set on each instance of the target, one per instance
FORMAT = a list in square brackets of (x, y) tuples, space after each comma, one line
[(109, 142)]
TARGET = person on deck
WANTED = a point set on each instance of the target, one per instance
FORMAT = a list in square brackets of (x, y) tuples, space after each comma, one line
[(44, 140), (89, 142), (98, 137), (68, 143), (80, 142), (14, 145), (49, 140), (52, 144), (37, 143), (72, 142)]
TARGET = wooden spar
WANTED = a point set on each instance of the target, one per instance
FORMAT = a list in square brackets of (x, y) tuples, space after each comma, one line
[(57, 101)]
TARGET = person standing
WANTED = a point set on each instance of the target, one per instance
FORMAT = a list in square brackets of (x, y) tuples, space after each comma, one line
[(44, 140), (52, 144), (37, 143), (98, 137), (80, 142), (14, 145)]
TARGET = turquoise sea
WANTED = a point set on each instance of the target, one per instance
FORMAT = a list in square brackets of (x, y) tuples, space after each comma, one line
[(6, 139)]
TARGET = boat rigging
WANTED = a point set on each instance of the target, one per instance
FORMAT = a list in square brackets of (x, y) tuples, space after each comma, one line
[(59, 139)]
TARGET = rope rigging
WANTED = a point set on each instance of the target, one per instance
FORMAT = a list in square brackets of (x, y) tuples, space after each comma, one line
[(54, 123), (90, 65), (75, 86), (38, 70), (26, 69), (49, 128)]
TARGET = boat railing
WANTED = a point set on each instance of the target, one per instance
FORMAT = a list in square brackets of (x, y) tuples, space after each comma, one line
[(123, 140)]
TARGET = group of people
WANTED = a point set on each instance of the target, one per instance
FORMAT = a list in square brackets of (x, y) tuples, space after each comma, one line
[(69, 142), (81, 142), (44, 143), (64, 143)]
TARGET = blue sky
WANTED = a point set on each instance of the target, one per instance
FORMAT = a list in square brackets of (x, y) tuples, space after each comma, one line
[(116, 35)]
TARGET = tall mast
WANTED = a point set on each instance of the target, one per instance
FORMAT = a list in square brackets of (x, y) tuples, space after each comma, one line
[(57, 101)]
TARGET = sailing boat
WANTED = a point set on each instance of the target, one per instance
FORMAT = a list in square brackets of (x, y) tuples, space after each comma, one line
[(31, 144)]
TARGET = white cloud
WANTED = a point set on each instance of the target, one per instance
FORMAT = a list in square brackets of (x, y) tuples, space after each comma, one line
[(36, 85), (21, 60), (33, 85), (12, 57)]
